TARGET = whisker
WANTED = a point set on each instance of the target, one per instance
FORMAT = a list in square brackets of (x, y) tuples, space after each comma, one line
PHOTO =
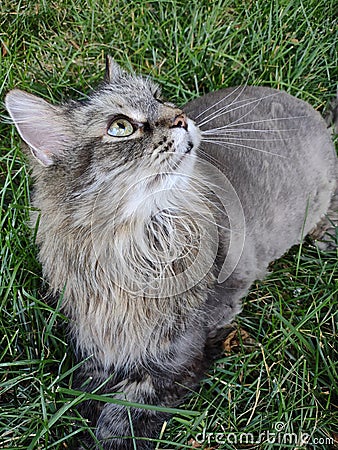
[(224, 108), (226, 132), (219, 137), (230, 144), (222, 100), (256, 100), (234, 124), (207, 155)]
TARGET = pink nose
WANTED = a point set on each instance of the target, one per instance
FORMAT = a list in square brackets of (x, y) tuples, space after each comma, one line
[(180, 121)]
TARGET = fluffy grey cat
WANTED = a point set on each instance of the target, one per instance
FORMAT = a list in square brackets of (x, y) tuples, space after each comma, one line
[(155, 221)]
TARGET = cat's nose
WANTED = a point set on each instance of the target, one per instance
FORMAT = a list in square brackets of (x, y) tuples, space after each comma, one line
[(180, 121)]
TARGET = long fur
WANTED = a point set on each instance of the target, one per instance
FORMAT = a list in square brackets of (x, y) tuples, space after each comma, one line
[(154, 238)]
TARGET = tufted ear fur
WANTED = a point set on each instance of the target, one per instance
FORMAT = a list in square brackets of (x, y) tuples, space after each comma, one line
[(41, 125), (113, 70)]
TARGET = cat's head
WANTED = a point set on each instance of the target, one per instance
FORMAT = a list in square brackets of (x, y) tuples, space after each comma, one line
[(123, 133)]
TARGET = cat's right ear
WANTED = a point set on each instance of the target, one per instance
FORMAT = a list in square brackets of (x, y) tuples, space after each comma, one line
[(40, 124), (113, 70)]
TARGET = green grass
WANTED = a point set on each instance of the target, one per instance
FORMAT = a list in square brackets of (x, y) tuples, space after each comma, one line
[(285, 372)]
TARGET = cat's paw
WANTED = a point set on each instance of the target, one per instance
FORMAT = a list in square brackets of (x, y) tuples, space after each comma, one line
[(119, 428)]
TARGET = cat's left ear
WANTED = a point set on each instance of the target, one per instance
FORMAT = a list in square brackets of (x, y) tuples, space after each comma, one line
[(41, 125), (113, 70)]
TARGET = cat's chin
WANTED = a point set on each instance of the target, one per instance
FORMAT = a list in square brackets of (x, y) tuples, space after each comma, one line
[(177, 178), (177, 166)]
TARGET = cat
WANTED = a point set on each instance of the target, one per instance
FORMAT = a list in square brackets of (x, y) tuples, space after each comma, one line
[(154, 222)]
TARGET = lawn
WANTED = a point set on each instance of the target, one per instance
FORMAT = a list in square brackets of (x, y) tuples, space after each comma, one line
[(276, 386)]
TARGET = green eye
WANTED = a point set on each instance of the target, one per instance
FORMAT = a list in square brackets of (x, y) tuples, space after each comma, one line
[(120, 128)]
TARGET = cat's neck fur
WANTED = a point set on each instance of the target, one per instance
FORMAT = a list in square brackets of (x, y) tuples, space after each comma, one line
[(121, 266)]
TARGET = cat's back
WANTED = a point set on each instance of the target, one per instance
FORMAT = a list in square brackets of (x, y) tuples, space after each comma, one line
[(255, 125), (277, 152)]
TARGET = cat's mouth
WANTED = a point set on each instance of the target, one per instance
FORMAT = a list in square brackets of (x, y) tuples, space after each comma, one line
[(189, 148), (176, 152), (188, 138), (180, 154), (194, 135)]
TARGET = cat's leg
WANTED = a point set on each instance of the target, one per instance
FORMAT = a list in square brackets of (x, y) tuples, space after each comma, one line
[(224, 304), (325, 232), (126, 428), (161, 382), (119, 427), (91, 376), (112, 421)]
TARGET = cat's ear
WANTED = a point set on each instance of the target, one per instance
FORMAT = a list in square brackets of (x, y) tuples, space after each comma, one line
[(113, 70), (40, 124)]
